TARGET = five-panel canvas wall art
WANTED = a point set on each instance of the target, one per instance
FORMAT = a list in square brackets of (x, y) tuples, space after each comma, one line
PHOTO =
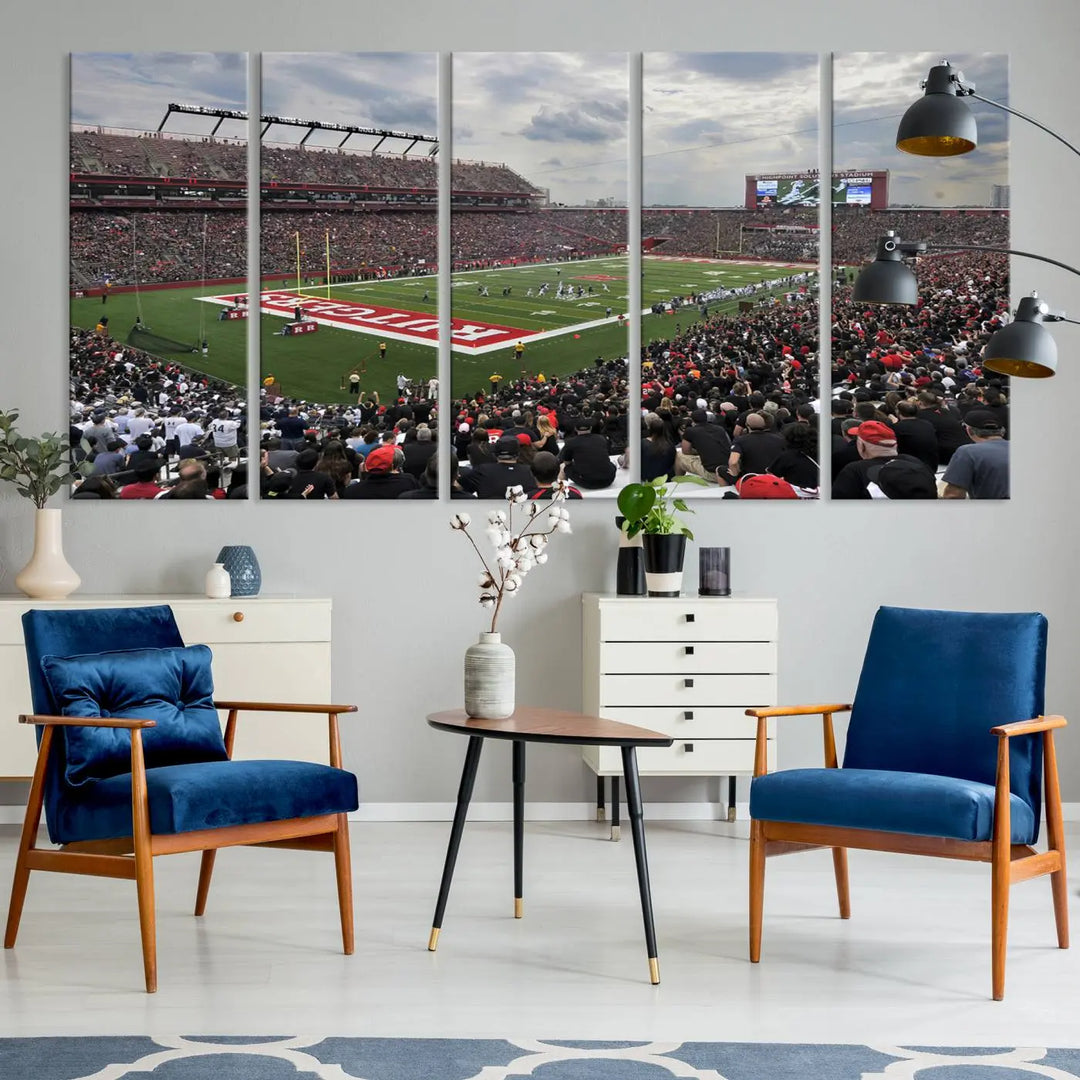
[(714, 349)]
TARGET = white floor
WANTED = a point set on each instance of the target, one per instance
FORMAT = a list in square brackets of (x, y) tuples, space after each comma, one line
[(911, 967)]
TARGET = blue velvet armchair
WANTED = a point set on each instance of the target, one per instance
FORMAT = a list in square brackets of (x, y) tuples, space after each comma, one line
[(132, 763), (946, 750)]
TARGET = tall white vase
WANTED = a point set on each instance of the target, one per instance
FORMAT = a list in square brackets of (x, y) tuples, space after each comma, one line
[(489, 678), (47, 576)]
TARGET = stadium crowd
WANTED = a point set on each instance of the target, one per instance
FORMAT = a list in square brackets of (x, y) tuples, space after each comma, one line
[(908, 389)]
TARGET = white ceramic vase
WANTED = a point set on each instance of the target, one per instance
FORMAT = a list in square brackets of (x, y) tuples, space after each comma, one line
[(218, 582), (489, 678), (47, 576)]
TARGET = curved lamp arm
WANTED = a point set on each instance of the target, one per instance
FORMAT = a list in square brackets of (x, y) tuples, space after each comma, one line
[(918, 247), (1016, 112)]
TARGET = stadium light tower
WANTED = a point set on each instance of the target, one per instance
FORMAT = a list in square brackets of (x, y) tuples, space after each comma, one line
[(940, 124), (1023, 348)]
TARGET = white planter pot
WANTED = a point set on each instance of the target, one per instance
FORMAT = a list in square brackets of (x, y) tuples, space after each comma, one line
[(47, 576), (489, 678)]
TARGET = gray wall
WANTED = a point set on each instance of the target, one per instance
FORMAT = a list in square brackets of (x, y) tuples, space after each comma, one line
[(402, 584)]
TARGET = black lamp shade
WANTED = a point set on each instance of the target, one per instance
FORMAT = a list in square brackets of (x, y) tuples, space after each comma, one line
[(886, 281), (939, 124), (1025, 347)]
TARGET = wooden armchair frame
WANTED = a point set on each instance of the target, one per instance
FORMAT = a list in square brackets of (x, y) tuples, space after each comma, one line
[(132, 857), (1009, 862)]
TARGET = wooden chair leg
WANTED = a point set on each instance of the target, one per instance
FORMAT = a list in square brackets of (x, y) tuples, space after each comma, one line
[(839, 859), (343, 866), (1000, 872), (206, 871), (1055, 834), (757, 887), (27, 840), (144, 863)]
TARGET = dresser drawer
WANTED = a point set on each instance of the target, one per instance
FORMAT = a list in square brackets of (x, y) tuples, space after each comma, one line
[(708, 757), (215, 621), (690, 723), (689, 656), (687, 691), (659, 619)]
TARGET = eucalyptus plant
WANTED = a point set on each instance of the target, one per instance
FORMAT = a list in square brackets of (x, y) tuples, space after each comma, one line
[(38, 467), (652, 506)]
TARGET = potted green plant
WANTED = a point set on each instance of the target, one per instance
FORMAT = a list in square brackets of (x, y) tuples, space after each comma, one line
[(38, 467), (652, 509)]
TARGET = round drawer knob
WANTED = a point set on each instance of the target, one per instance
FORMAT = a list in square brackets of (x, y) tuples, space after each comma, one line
[(238, 616)]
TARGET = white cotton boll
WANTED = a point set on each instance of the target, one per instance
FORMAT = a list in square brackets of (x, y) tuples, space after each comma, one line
[(563, 526), (496, 517), (487, 601), (494, 535), (541, 559), (484, 580)]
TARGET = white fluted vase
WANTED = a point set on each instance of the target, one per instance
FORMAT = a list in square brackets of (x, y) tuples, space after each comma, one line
[(489, 678), (48, 576)]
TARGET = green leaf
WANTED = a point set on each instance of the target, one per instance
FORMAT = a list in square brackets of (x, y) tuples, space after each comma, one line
[(635, 501)]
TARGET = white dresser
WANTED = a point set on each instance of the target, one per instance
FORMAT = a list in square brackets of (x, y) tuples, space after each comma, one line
[(686, 666), (266, 648)]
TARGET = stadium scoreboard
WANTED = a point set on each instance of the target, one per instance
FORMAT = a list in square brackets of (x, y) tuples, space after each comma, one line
[(849, 187)]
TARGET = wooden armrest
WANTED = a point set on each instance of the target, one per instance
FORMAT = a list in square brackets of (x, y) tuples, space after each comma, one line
[(1027, 727), (279, 706), (87, 721), (798, 710)]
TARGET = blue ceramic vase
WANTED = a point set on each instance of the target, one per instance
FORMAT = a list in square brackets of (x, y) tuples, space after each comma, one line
[(243, 569)]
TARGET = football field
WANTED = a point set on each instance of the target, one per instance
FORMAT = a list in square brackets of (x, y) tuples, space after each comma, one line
[(491, 311)]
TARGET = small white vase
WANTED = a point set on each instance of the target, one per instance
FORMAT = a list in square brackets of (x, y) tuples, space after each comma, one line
[(47, 576), (489, 678), (218, 582)]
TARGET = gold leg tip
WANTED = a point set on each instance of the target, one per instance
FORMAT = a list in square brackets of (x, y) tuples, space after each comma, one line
[(601, 814), (654, 971), (519, 907), (433, 940), (615, 832)]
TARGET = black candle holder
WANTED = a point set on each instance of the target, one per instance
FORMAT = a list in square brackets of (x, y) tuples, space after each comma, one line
[(714, 571)]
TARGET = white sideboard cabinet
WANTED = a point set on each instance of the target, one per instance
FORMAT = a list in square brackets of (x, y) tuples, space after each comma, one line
[(686, 666), (266, 648)]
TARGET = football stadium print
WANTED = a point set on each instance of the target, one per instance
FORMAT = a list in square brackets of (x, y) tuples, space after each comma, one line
[(544, 338)]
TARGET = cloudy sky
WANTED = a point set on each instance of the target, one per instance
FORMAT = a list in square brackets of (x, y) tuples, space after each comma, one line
[(871, 91), (713, 118), (389, 90), (558, 119), (132, 90)]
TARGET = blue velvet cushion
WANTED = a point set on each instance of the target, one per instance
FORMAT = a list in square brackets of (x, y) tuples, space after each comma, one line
[(207, 795), (900, 802), (173, 687), (64, 632), (933, 683)]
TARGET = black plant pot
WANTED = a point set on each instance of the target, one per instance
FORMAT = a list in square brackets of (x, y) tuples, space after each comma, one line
[(664, 555), (630, 570)]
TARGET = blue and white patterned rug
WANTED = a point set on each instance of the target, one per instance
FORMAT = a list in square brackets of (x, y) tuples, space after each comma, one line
[(300, 1058)]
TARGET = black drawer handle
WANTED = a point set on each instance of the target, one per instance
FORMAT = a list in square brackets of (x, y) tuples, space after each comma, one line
[(688, 650), (688, 683), (688, 748), (690, 616), (688, 715)]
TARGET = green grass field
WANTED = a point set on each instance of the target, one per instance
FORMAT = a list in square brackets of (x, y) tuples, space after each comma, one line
[(311, 366)]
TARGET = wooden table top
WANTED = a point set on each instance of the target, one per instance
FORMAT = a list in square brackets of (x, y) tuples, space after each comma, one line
[(530, 723)]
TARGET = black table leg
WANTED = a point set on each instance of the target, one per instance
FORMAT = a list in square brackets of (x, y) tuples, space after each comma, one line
[(637, 828), (465, 789), (731, 798), (615, 808), (519, 825), (599, 798)]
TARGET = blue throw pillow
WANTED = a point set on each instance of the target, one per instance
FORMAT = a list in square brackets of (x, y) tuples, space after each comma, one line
[(172, 686)]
